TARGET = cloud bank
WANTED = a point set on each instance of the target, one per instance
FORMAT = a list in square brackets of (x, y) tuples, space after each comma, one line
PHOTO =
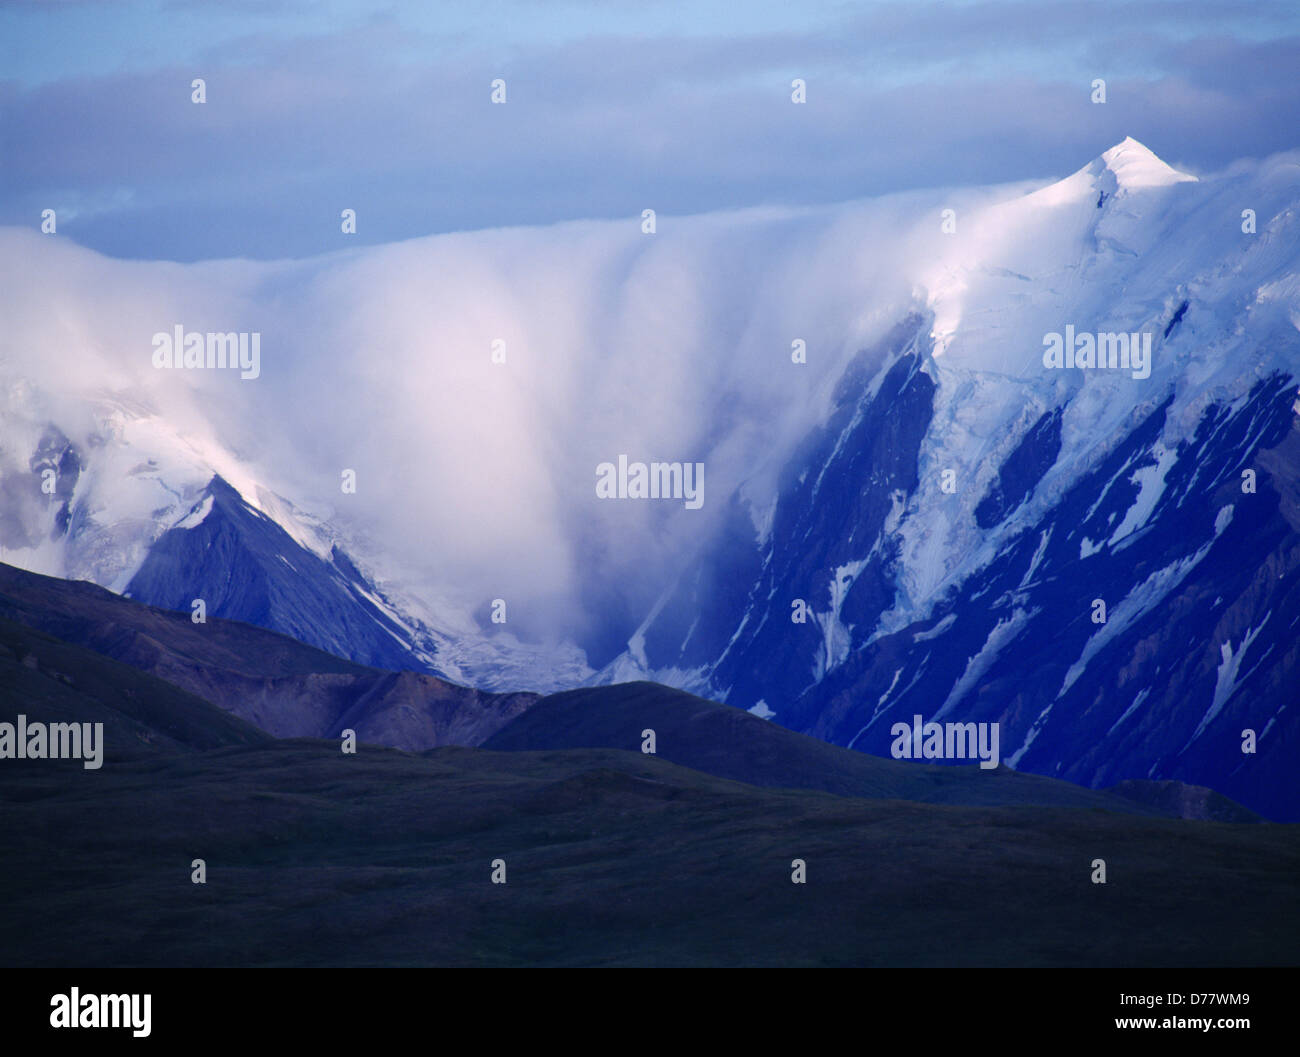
[(316, 108)]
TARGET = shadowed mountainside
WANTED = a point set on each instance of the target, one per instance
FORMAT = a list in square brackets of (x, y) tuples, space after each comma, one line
[(274, 682), (50, 681), (289, 689), (727, 742)]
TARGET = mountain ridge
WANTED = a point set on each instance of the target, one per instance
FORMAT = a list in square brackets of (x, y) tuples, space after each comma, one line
[(948, 506)]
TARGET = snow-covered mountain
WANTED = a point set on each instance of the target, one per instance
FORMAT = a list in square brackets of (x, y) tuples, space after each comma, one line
[(1104, 564), (143, 509), (950, 507)]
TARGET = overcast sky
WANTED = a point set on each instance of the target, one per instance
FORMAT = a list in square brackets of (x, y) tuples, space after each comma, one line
[(614, 106)]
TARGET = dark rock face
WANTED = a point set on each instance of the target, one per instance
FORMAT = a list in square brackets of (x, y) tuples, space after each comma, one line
[(1109, 645), (1151, 692), (56, 460), (34, 482), (1022, 470), (246, 567), (731, 611)]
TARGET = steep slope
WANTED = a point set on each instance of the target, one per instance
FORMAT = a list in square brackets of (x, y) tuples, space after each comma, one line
[(244, 566), (51, 681), (1101, 560), (148, 504), (281, 686)]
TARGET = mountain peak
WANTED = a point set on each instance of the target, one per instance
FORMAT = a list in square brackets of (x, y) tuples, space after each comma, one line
[(1135, 165)]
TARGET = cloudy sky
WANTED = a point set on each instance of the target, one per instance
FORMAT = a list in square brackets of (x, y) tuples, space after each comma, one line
[(615, 106)]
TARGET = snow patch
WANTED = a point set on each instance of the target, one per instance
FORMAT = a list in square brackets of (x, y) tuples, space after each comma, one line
[(1151, 486), (1143, 694), (197, 516), (1002, 634), (1226, 682), (934, 632)]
